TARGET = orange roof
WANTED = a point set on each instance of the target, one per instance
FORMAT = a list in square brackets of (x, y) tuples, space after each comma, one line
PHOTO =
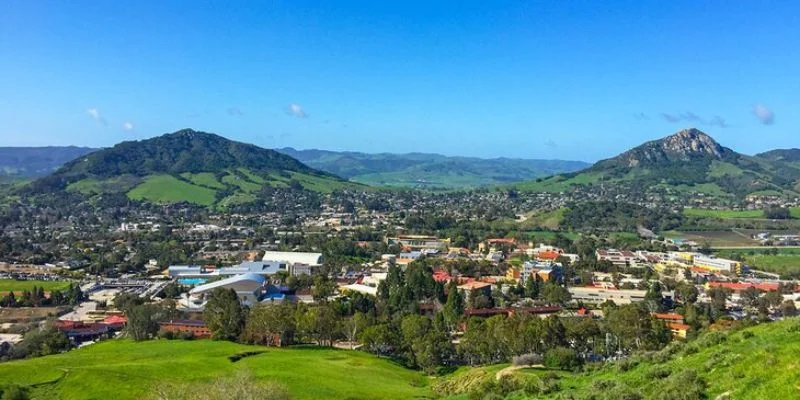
[(678, 327), (548, 255), (669, 316), (474, 285), (502, 240), (767, 287), (115, 319)]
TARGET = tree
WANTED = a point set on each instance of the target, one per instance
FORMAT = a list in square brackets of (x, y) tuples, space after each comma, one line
[(142, 321), (454, 307), (788, 309), (687, 292), (562, 358), (270, 324), (320, 323), (224, 314), (653, 297), (554, 293), (355, 325), (532, 286)]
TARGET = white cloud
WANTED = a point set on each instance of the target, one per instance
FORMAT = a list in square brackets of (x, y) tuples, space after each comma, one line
[(764, 114), (94, 114), (297, 111), (128, 126)]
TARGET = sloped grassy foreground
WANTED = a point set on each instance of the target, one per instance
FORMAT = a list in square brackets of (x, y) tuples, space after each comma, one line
[(122, 369), (761, 362)]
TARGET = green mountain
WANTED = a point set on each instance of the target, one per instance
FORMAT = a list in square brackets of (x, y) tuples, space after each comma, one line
[(29, 162), (430, 170), (689, 160), (186, 166)]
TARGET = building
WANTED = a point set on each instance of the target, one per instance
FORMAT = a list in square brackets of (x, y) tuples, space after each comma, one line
[(620, 258), (419, 242), (193, 272), (717, 265), (475, 288), (249, 287), (299, 263), (599, 295), (197, 328), (547, 271)]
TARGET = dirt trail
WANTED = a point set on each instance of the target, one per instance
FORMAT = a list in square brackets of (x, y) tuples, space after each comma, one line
[(510, 370)]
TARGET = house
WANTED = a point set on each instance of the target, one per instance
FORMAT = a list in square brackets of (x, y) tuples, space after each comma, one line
[(678, 330), (197, 328), (740, 286), (475, 288)]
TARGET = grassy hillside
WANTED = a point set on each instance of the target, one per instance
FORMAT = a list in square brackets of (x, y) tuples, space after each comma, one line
[(755, 363), (185, 166), (122, 369), (429, 170)]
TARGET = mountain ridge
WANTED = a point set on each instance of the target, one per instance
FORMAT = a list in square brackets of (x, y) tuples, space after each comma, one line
[(689, 158), (186, 165), (429, 169)]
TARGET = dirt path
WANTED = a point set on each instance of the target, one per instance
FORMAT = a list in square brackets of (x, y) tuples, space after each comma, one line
[(510, 370)]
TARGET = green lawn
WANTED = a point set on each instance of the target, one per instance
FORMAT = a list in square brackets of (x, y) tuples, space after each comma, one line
[(10, 285), (121, 369), (548, 219), (242, 183), (168, 189), (704, 212)]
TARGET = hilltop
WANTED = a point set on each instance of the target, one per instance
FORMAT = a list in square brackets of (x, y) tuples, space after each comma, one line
[(30, 162), (755, 363), (123, 369), (687, 160), (185, 166), (430, 170)]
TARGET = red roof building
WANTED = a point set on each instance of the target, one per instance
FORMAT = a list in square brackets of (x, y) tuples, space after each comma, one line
[(738, 287)]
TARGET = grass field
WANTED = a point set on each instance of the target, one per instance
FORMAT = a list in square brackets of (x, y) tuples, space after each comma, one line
[(168, 189), (121, 369), (704, 212), (9, 285), (786, 262), (548, 219), (206, 179), (714, 238), (761, 364)]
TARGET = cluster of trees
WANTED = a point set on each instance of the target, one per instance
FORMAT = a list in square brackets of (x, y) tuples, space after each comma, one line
[(619, 217), (36, 297), (38, 342)]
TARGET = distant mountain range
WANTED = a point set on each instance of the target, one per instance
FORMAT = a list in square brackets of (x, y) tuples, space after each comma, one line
[(30, 162), (185, 166), (688, 160), (429, 170)]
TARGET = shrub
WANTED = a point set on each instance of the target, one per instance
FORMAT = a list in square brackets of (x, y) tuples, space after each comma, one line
[(527, 359), (562, 358)]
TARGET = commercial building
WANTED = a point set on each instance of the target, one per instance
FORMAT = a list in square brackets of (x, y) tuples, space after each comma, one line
[(714, 264), (197, 328), (620, 258), (419, 242), (249, 287), (599, 295), (298, 263)]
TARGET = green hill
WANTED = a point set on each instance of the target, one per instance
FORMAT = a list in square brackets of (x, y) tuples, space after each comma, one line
[(755, 363), (429, 170), (122, 369), (687, 161), (186, 166)]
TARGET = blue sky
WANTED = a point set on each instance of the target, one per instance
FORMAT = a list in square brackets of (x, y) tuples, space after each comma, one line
[(532, 79)]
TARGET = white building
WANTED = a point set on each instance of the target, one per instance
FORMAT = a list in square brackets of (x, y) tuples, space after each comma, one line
[(298, 262)]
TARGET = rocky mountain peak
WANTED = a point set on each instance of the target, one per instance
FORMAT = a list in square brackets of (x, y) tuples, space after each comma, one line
[(692, 142)]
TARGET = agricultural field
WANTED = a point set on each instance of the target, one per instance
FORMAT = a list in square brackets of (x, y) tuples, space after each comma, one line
[(786, 263), (11, 285), (705, 212), (730, 238), (122, 369)]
